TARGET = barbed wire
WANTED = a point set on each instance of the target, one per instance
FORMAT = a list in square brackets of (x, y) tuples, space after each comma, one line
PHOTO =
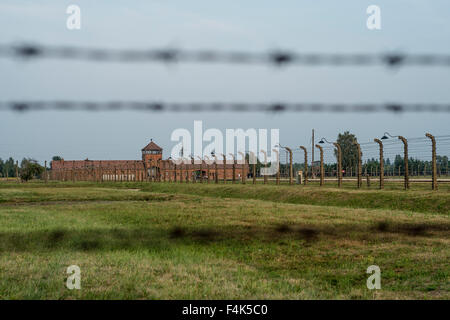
[(22, 106), (275, 57)]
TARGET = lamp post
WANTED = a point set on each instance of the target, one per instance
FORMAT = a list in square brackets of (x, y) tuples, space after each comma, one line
[(339, 159), (306, 164), (405, 151)]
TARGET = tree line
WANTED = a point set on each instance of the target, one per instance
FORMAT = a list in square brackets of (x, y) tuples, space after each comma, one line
[(28, 169)]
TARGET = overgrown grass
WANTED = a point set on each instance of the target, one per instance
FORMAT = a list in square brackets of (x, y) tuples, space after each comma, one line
[(164, 241)]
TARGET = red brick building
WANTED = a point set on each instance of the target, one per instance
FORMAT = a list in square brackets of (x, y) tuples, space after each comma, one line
[(152, 167)]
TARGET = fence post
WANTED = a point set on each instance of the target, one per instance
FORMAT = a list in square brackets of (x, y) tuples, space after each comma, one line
[(216, 167), (233, 168), (182, 173), (208, 163), (434, 185), (186, 171), (322, 172), (254, 160), (359, 168), (175, 173), (224, 168), (291, 170), (169, 170), (265, 166), (278, 169), (339, 159), (192, 174), (208, 170), (380, 143), (45, 172), (160, 171), (405, 144), (244, 165), (201, 169), (306, 164)]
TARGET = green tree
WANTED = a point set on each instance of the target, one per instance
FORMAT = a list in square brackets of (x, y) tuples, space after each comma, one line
[(347, 142), (57, 158), (9, 168), (30, 168)]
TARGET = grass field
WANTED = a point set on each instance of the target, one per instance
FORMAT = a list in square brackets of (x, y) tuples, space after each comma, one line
[(199, 241)]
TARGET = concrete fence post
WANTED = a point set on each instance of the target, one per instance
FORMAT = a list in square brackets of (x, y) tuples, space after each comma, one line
[(192, 174), (45, 172), (233, 168), (208, 170), (201, 169), (278, 166), (405, 145), (380, 143), (208, 164), (359, 167), (216, 167), (291, 169), (244, 166), (265, 166), (169, 170), (252, 158), (175, 173), (224, 168), (339, 165), (73, 172), (182, 174), (306, 165), (322, 172), (186, 170), (434, 185)]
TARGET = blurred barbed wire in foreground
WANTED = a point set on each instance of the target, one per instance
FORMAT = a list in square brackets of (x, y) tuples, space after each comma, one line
[(154, 106), (172, 55)]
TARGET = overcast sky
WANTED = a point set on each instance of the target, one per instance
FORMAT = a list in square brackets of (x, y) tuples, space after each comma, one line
[(410, 26)]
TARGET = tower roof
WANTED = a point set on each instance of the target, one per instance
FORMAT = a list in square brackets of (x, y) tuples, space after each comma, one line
[(152, 147)]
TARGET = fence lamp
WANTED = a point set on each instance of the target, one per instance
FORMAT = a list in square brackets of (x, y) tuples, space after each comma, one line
[(387, 135), (323, 140)]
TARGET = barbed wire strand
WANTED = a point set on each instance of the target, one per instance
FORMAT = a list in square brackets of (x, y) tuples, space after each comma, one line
[(22, 106), (172, 55)]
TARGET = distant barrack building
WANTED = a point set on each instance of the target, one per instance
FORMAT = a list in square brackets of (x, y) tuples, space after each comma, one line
[(151, 167)]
